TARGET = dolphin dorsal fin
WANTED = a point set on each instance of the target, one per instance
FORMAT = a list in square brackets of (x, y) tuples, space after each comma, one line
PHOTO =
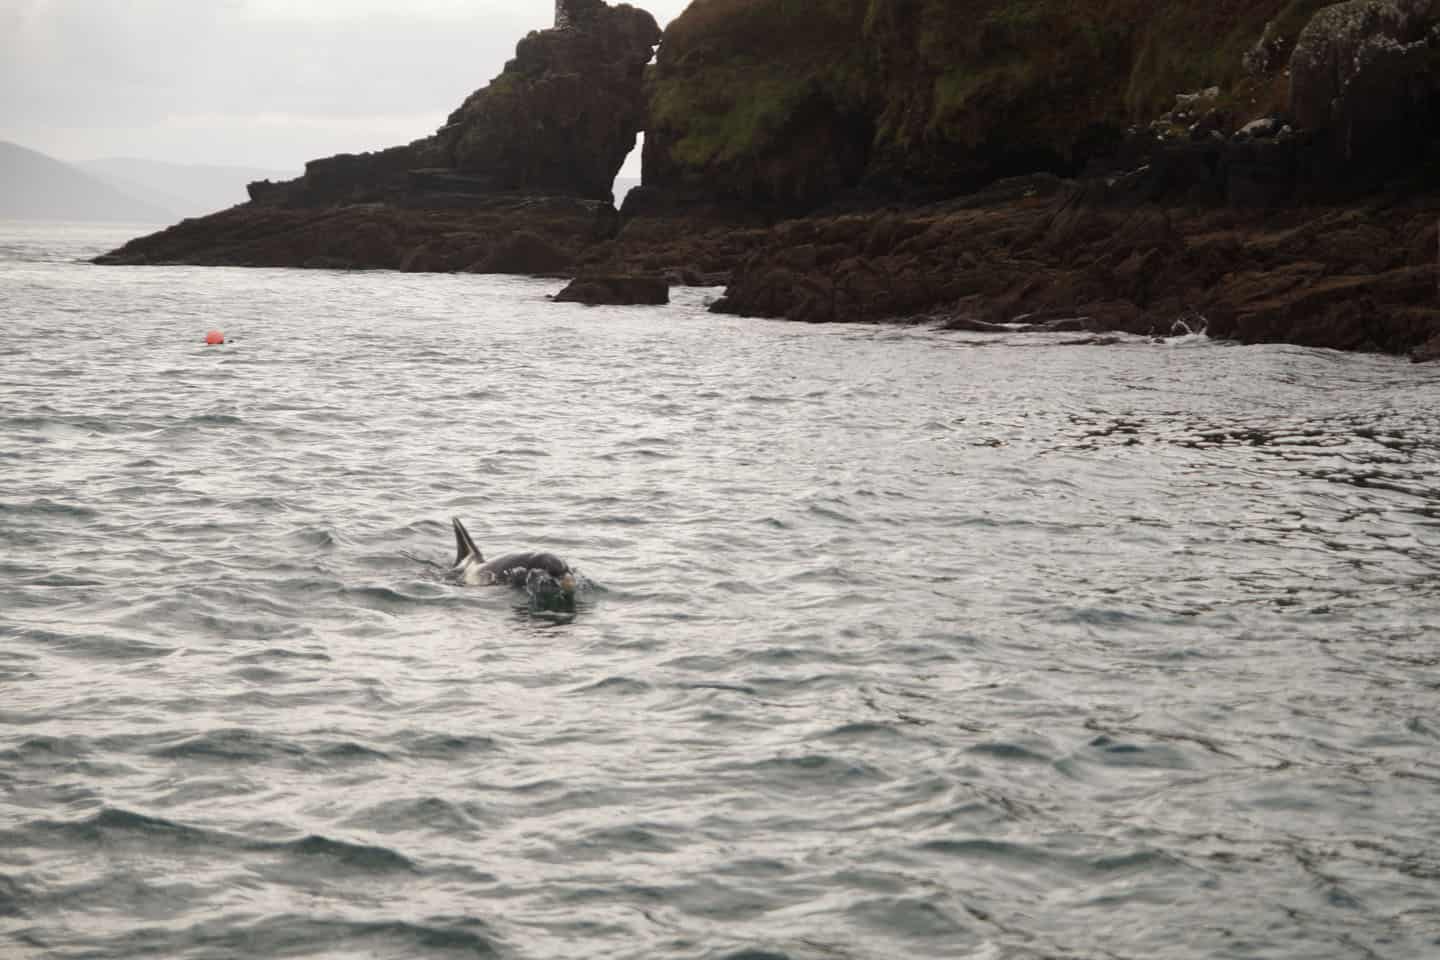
[(464, 546)]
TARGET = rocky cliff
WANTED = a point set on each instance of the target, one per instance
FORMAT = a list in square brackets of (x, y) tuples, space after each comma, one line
[(793, 106)]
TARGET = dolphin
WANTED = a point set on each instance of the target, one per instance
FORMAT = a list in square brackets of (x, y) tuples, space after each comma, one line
[(541, 575)]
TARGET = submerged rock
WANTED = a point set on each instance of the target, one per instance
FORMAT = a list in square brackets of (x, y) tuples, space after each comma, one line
[(597, 289), (971, 325)]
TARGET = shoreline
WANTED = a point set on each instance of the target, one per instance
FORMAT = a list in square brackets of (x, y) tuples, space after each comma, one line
[(1291, 200), (1359, 275)]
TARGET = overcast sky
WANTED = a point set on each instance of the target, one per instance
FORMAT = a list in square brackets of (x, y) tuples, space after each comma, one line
[(256, 83)]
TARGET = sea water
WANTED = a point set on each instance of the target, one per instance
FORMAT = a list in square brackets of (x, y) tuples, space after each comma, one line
[(892, 642)]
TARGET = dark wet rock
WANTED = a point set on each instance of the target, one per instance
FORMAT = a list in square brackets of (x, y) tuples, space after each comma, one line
[(1359, 277), (596, 289), (1385, 105), (1045, 321), (972, 325), (1096, 341), (690, 246), (1427, 352), (1261, 173), (1065, 325), (526, 252)]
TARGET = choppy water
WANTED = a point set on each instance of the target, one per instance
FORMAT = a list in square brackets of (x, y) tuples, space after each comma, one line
[(899, 643)]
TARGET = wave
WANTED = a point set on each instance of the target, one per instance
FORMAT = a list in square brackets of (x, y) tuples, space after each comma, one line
[(113, 825)]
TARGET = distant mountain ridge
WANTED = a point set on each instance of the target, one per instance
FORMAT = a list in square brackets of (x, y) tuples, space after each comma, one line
[(190, 190), (34, 186)]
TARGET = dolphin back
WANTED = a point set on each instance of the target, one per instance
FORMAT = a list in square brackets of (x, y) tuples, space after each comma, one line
[(464, 546), (507, 566)]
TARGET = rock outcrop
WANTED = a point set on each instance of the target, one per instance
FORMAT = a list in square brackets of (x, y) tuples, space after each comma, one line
[(564, 114), (526, 235), (1362, 70), (518, 179)]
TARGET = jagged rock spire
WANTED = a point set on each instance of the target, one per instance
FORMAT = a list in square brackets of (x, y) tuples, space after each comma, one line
[(573, 14)]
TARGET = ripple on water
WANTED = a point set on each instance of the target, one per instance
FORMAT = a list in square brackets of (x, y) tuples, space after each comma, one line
[(95, 647), (116, 829), (441, 817), (420, 744), (44, 507), (905, 647), (299, 935), (231, 746)]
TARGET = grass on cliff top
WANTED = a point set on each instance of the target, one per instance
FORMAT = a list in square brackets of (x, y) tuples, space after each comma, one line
[(734, 72), (1186, 47), (1031, 70), (725, 131)]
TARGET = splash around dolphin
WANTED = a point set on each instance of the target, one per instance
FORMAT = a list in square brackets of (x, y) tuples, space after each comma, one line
[(544, 576)]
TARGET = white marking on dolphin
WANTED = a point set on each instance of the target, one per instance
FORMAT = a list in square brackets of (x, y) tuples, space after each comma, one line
[(540, 574)]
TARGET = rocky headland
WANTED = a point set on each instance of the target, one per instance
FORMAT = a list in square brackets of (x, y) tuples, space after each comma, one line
[(1267, 169), (517, 180)]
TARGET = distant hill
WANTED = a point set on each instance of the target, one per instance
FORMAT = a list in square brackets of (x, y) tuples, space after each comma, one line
[(190, 190), (34, 186)]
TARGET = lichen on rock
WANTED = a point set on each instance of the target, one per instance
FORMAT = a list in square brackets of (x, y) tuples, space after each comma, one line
[(1362, 72), (1328, 52)]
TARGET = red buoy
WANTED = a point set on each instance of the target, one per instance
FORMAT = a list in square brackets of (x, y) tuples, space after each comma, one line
[(214, 338)]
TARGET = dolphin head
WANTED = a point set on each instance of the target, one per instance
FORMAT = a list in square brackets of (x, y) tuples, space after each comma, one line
[(548, 592)]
